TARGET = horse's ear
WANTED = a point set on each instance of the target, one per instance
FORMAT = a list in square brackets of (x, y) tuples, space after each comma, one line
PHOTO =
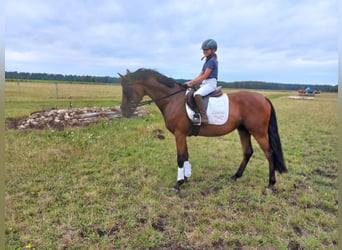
[(121, 76), (128, 72)]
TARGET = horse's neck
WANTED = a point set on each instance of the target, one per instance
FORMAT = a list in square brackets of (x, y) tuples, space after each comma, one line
[(162, 94), (156, 90)]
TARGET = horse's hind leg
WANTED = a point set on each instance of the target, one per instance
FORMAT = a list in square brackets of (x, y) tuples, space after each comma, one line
[(245, 138), (265, 146)]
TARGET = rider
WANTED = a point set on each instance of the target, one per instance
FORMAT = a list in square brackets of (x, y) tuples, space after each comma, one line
[(208, 77)]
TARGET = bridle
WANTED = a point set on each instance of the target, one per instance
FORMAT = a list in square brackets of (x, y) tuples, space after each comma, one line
[(132, 104)]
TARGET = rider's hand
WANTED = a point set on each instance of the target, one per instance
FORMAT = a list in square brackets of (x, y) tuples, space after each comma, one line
[(187, 84)]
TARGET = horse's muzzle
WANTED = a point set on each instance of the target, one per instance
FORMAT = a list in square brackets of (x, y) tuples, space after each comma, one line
[(126, 111)]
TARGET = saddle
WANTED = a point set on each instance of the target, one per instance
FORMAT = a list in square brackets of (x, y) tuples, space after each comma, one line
[(189, 97), (216, 105)]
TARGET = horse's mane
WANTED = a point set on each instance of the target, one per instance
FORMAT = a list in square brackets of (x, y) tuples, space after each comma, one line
[(144, 74)]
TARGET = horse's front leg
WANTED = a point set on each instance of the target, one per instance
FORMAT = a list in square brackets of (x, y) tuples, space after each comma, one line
[(184, 166)]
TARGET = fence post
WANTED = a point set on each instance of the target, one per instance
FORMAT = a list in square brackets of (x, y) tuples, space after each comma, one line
[(18, 84), (56, 86)]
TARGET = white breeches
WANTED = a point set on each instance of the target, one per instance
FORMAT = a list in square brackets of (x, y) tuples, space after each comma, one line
[(207, 86)]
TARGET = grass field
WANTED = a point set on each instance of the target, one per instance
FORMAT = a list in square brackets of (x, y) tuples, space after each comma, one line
[(108, 185)]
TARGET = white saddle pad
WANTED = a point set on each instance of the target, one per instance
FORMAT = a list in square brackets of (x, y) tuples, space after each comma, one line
[(217, 111)]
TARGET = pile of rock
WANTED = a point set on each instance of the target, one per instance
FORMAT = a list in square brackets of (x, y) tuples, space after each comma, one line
[(60, 118)]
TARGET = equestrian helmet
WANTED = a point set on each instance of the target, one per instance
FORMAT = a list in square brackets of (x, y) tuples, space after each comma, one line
[(209, 44)]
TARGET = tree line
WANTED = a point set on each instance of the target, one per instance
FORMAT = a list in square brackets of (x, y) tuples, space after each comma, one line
[(277, 86), (59, 77), (14, 75)]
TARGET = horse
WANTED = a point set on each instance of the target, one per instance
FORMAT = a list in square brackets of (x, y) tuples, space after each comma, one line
[(251, 113)]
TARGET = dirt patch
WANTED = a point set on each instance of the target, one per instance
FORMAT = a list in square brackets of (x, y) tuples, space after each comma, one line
[(294, 245), (329, 171), (72, 117), (160, 223), (234, 244), (298, 230)]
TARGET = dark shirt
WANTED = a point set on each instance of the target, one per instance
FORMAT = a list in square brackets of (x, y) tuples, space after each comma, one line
[(211, 63)]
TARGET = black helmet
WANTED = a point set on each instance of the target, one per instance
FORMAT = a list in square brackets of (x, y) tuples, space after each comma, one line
[(209, 44)]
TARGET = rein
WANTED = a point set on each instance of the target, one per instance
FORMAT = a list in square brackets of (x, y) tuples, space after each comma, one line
[(158, 99)]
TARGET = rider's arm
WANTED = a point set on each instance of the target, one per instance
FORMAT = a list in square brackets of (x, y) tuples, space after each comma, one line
[(202, 76)]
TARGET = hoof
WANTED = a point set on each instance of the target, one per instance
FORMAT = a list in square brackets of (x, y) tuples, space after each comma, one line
[(234, 178), (176, 188), (269, 190)]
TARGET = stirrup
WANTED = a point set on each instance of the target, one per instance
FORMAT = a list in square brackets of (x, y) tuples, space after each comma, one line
[(197, 119)]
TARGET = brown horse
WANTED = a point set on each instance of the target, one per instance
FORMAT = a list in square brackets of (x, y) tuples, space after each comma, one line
[(249, 112)]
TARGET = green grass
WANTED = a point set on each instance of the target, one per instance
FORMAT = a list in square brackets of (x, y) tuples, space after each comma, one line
[(33, 96), (108, 185)]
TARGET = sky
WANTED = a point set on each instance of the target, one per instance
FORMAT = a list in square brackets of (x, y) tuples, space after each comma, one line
[(285, 41)]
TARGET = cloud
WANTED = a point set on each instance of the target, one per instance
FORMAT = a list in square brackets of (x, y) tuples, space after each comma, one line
[(255, 38)]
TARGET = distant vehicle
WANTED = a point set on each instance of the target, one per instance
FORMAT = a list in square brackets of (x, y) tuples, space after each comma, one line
[(308, 92)]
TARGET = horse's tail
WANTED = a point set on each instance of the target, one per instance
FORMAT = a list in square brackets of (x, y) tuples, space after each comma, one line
[(274, 139)]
